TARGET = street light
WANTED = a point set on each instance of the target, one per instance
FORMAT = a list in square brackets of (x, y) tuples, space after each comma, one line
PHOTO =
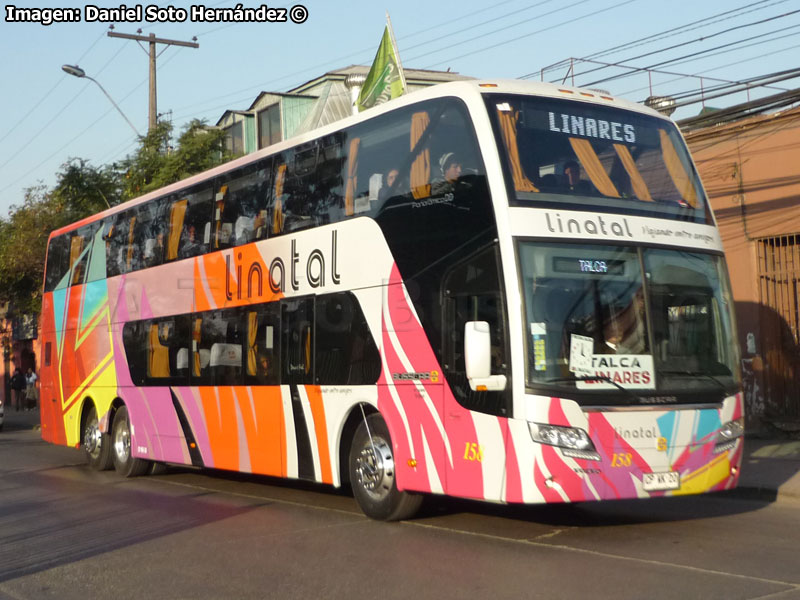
[(76, 71)]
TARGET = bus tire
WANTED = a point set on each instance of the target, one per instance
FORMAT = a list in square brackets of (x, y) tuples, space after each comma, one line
[(96, 444), (372, 474), (125, 464)]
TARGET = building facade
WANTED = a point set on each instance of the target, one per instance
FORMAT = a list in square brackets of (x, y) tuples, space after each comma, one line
[(273, 116), (751, 170)]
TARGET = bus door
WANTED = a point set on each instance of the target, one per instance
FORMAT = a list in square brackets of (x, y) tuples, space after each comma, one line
[(411, 402), (475, 419)]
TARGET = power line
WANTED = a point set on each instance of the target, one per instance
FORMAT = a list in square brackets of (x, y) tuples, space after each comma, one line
[(700, 74), (700, 39), (696, 54), (516, 39), (500, 30), (46, 95), (31, 139), (705, 22), (481, 24)]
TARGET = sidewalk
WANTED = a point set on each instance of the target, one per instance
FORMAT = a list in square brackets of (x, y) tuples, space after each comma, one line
[(770, 468)]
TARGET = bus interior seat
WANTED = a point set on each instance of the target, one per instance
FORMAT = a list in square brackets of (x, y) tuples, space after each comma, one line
[(226, 363), (243, 229), (204, 356), (182, 361), (149, 248), (548, 181), (225, 355)]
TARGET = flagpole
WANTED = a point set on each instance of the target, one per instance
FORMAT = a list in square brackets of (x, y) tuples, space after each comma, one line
[(396, 52)]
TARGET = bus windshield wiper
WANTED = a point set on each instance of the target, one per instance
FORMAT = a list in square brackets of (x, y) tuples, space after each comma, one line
[(688, 373), (602, 378)]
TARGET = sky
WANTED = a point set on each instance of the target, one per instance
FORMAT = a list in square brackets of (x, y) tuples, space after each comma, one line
[(49, 116)]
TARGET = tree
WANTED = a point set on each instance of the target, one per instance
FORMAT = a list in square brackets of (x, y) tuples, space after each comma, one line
[(81, 190), (154, 165), (23, 243)]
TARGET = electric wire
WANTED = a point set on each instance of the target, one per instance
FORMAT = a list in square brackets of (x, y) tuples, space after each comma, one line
[(46, 95), (717, 68), (549, 28), (700, 39), (500, 30), (472, 27), (18, 151), (705, 22)]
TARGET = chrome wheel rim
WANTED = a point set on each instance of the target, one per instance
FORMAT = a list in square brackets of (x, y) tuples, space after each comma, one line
[(92, 438), (122, 442), (375, 468)]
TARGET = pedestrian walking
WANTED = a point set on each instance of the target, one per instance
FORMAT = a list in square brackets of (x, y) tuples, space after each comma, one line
[(31, 391), (17, 389)]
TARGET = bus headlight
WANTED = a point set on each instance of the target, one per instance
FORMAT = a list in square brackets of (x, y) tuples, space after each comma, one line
[(728, 434), (573, 441)]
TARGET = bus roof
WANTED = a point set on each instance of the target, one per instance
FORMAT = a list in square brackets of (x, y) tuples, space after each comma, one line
[(455, 88)]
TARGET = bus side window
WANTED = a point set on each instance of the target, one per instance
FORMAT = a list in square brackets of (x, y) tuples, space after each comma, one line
[(57, 261), (327, 184), (167, 355), (79, 253), (190, 220), (217, 348), (115, 237), (278, 196), (150, 232), (262, 345), (345, 352), (297, 343), (300, 188), (242, 205), (134, 338)]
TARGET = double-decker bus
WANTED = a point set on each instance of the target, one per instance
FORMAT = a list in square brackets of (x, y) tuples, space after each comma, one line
[(506, 291)]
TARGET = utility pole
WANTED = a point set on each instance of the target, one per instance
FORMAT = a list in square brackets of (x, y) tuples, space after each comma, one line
[(153, 40)]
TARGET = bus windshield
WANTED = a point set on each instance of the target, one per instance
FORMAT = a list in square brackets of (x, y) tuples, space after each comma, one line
[(650, 320), (560, 152)]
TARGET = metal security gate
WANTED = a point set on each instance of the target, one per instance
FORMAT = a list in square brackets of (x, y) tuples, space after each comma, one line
[(779, 285)]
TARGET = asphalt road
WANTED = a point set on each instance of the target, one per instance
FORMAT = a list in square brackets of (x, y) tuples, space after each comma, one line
[(68, 532)]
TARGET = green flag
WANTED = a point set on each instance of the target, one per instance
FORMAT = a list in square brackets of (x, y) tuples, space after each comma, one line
[(384, 80)]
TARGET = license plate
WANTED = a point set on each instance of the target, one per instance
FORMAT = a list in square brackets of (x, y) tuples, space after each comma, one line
[(654, 482)]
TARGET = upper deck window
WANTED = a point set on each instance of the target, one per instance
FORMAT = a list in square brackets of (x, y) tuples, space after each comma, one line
[(593, 157)]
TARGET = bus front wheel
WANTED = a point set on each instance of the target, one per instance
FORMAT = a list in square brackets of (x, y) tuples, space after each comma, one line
[(125, 464), (96, 444), (372, 474)]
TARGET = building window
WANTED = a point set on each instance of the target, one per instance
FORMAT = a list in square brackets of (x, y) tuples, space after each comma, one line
[(269, 126), (234, 141)]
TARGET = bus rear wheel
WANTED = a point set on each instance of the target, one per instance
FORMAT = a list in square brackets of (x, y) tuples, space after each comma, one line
[(125, 464), (372, 474), (96, 444)]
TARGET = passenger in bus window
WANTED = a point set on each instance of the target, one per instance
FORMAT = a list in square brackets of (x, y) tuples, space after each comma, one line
[(572, 174), (389, 180), (263, 369), (391, 177), (450, 168), (190, 246), (249, 228)]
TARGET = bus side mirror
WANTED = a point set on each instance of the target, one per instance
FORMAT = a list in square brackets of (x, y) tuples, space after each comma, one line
[(478, 358)]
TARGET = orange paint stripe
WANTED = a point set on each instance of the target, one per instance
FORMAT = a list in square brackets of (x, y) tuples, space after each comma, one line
[(79, 392), (223, 430), (318, 411), (263, 425)]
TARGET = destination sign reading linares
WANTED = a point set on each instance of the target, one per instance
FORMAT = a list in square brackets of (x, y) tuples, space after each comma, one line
[(153, 13)]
